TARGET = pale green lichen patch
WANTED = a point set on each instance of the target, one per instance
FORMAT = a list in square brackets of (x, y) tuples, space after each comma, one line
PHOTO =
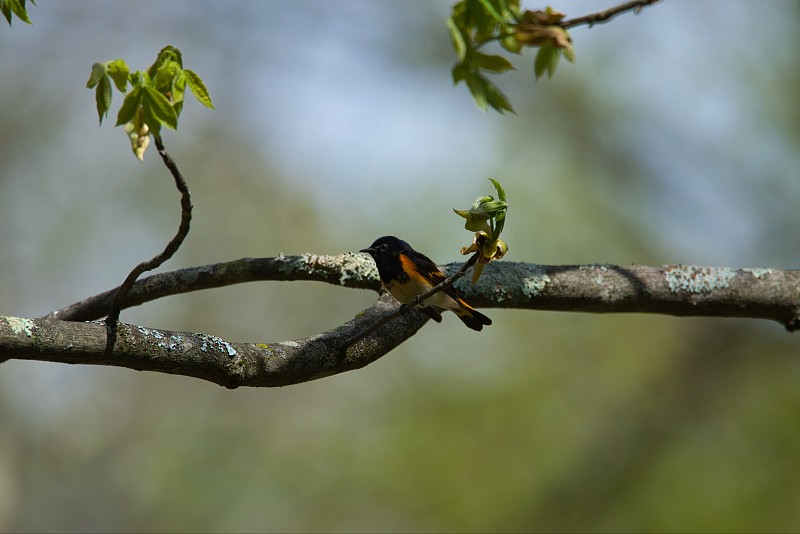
[(356, 267), (535, 282), (493, 281), (503, 284), (21, 325), (759, 272), (154, 334), (696, 279), (348, 266), (500, 293), (216, 343), (174, 342)]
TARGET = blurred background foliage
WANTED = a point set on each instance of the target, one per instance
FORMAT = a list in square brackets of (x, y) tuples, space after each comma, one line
[(675, 137)]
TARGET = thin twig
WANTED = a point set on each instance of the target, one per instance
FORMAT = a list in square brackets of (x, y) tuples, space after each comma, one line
[(603, 16), (418, 301), (155, 262)]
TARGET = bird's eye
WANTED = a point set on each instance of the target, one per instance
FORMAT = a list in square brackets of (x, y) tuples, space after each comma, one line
[(383, 247)]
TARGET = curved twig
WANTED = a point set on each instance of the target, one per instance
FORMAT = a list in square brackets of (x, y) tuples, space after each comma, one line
[(118, 300)]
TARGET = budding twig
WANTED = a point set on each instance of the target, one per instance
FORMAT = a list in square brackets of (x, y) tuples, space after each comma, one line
[(602, 16), (153, 263)]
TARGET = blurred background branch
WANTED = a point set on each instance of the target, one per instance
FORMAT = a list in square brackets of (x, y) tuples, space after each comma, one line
[(675, 290)]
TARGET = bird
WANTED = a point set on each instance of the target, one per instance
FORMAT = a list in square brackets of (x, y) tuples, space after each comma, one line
[(407, 274)]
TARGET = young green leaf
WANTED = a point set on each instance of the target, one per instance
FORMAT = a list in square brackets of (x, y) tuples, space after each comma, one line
[(98, 73), (477, 86), (103, 97), (178, 89), (130, 106), (478, 21), (149, 120), (168, 54), (569, 53), (17, 7), (476, 221), (164, 77), (489, 8), (198, 88), (486, 93), (491, 63), (460, 72), (119, 71), (140, 78), (457, 35), (546, 61), (159, 109), (497, 99), (501, 193)]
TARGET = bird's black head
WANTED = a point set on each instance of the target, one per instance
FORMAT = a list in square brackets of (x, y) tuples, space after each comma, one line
[(386, 253), (386, 246)]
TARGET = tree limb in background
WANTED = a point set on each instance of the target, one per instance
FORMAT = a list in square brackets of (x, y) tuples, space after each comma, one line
[(678, 290), (682, 290), (227, 363)]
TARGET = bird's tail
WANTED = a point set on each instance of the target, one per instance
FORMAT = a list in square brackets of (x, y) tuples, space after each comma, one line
[(472, 317)]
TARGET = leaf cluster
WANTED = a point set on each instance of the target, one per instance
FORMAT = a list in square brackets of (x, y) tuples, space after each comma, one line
[(474, 23), (486, 218), (15, 7), (155, 96)]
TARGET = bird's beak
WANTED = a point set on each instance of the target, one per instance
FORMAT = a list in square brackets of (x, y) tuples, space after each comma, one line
[(367, 250)]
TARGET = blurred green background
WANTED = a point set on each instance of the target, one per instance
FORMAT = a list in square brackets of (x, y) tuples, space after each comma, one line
[(674, 138)]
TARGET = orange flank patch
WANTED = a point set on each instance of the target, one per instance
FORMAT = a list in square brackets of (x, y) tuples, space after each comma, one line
[(416, 284)]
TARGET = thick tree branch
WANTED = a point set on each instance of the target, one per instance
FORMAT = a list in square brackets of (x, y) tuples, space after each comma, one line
[(679, 290), (347, 270), (222, 362), (672, 289)]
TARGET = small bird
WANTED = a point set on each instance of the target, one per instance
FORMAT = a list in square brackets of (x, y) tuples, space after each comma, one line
[(407, 274)]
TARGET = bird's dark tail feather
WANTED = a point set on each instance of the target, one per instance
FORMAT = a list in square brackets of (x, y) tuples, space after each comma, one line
[(475, 320)]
